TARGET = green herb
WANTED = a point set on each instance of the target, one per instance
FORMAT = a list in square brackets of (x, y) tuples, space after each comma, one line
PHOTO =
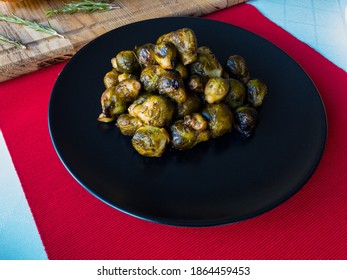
[(17, 43), (82, 7), (33, 25)]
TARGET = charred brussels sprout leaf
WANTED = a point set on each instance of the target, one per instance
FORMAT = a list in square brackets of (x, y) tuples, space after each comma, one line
[(236, 66), (225, 75), (191, 105), (128, 90), (165, 54), (149, 77), (171, 84), (216, 89), (219, 117), (150, 141), (154, 110), (196, 83), (126, 62), (114, 63), (128, 124), (256, 92), (236, 95), (145, 55), (111, 78), (185, 41), (185, 137), (246, 119), (112, 105), (206, 64)]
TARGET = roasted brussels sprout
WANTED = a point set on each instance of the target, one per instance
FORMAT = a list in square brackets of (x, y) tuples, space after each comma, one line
[(114, 63), (196, 121), (196, 83), (246, 119), (150, 141), (191, 105), (149, 77), (256, 92), (237, 94), (165, 54), (154, 110), (206, 64), (112, 105), (128, 124), (125, 76), (126, 62), (184, 137), (185, 41), (182, 70), (219, 117), (236, 66), (145, 54), (216, 89), (128, 90), (225, 75), (171, 84), (111, 78)]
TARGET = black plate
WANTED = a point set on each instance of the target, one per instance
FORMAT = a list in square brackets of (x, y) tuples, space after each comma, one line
[(222, 181)]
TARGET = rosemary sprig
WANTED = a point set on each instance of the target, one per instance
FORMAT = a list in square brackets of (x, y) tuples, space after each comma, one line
[(33, 25), (17, 43), (82, 7)]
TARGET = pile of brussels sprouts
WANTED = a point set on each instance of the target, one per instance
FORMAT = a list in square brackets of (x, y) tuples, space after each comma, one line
[(176, 93)]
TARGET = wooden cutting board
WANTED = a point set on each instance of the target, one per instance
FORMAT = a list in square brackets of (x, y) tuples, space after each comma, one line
[(79, 29)]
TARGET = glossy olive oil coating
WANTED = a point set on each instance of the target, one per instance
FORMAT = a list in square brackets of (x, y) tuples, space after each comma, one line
[(173, 93), (150, 141), (186, 43)]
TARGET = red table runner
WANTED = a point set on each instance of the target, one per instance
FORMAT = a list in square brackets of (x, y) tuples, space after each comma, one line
[(75, 225)]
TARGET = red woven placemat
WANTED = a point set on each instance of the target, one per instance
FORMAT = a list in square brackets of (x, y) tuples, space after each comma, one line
[(75, 225)]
